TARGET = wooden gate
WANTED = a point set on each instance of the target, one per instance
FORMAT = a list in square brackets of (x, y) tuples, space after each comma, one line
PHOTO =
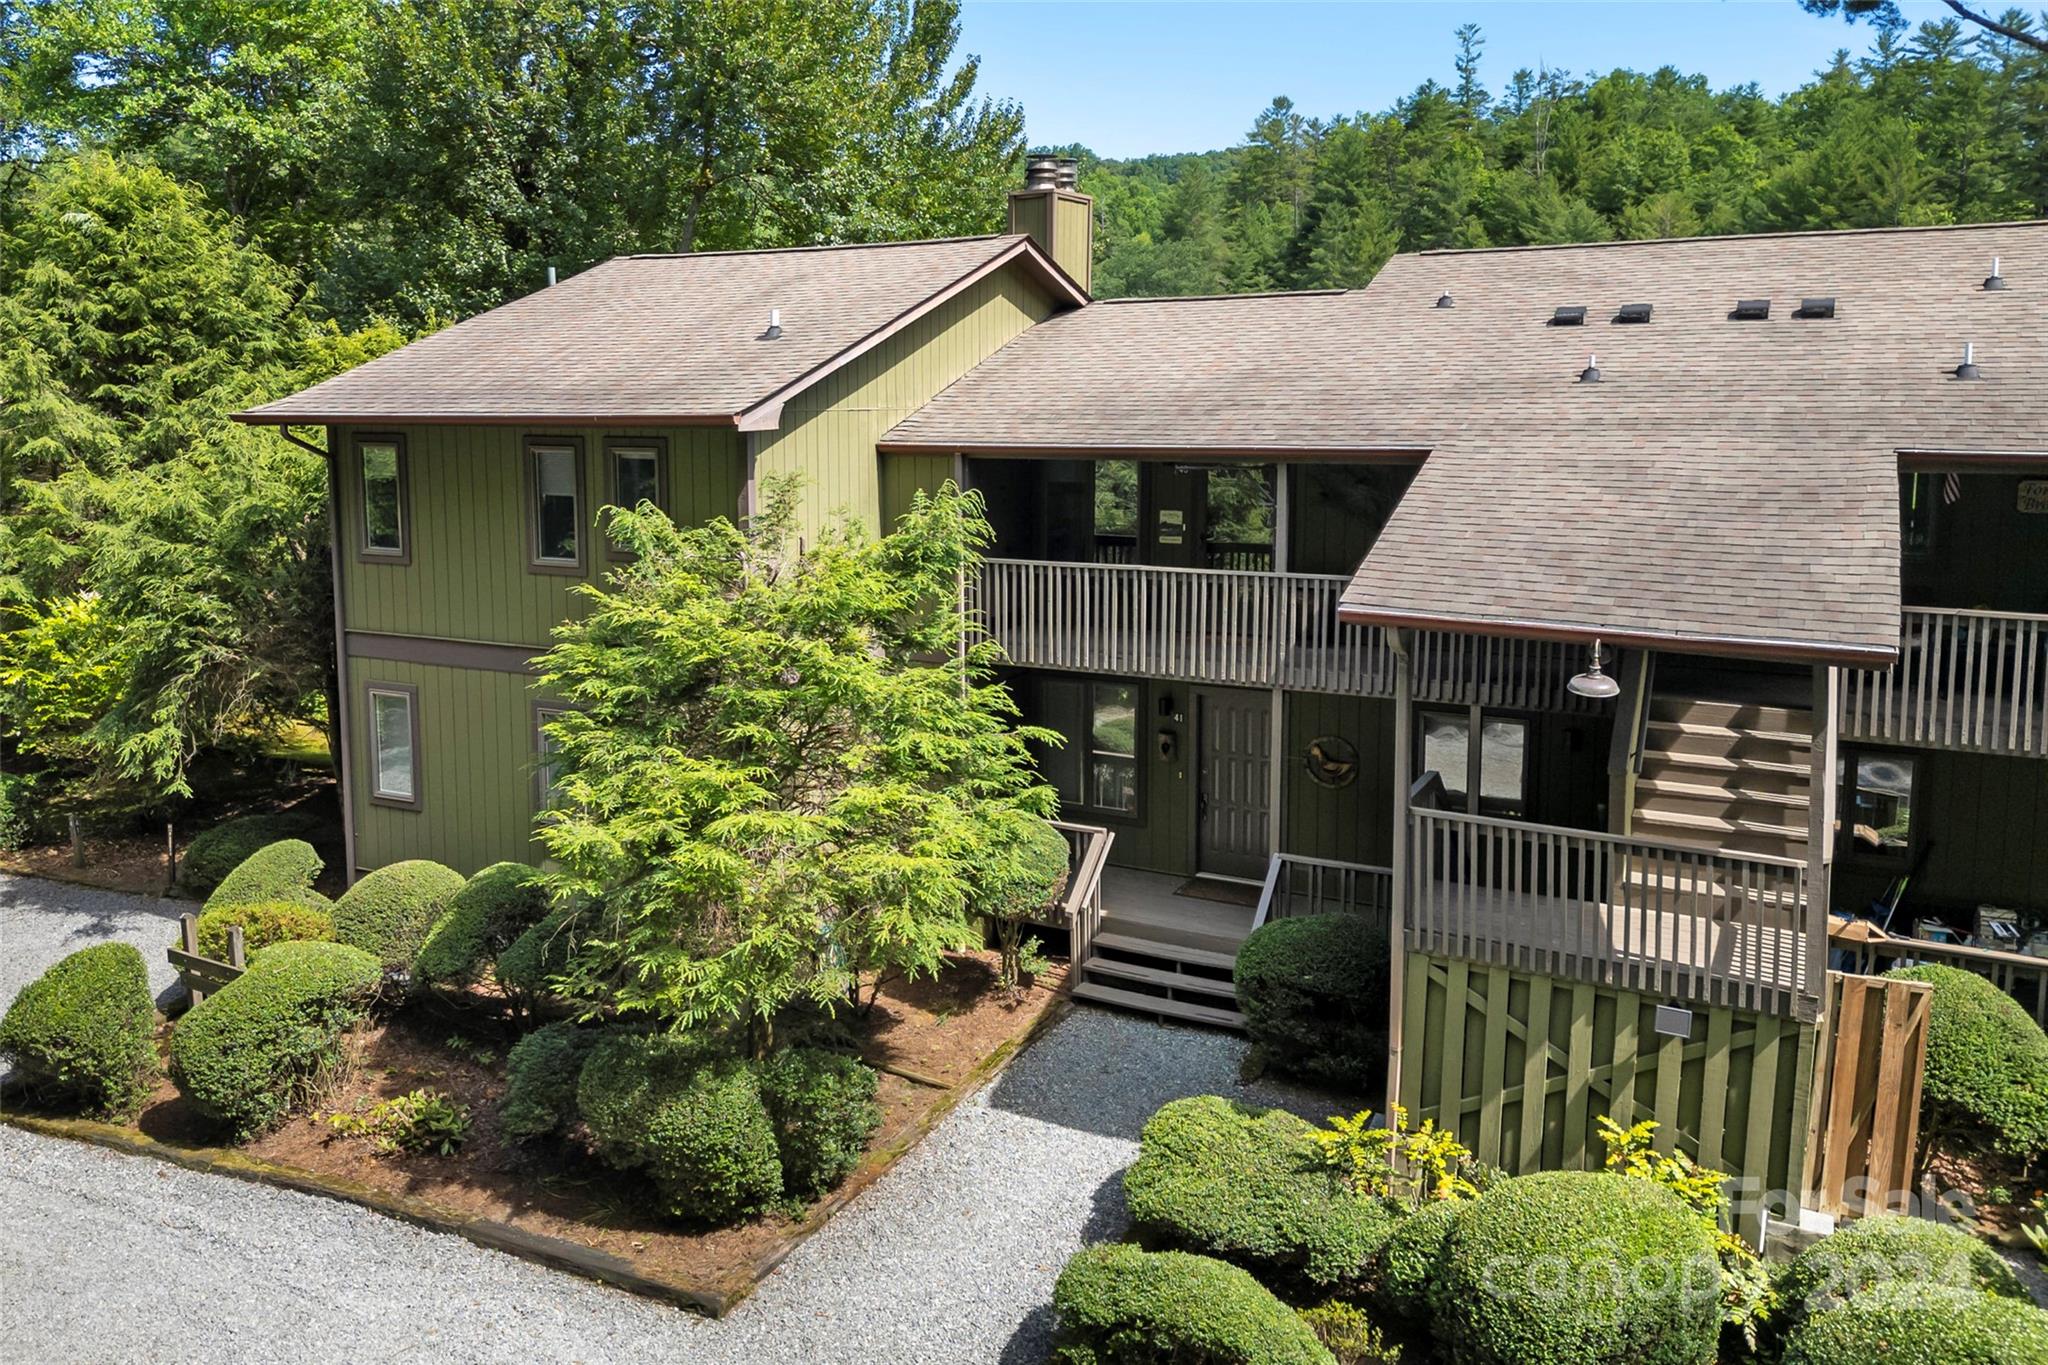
[(1866, 1094)]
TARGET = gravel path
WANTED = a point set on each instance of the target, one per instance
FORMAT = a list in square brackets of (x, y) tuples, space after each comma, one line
[(948, 1258)]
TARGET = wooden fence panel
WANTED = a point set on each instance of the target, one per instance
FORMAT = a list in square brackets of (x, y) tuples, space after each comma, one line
[(1521, 1066), (1865, 1124)]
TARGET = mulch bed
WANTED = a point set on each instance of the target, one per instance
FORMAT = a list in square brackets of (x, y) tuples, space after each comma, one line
[(933, 1041)]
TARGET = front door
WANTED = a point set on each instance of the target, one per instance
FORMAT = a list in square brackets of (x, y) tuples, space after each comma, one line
[(1233, 831)]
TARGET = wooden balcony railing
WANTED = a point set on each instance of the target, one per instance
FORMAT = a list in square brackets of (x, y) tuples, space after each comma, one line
[(1197, 625), (2023, 977), (1661, 919), (1965, 680), (1297, 885)]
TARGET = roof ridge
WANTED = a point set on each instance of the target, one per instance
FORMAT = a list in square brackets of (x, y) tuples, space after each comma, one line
[(816, 246), (1221, 298), (1729, 237)]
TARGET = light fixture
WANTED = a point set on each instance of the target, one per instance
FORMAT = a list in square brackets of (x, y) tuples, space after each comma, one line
[(1593, 682)]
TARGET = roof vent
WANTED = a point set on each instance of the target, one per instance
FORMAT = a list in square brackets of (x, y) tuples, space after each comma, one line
[(1994, 281), (774, 332), (1633, 312), (1568, 317), (1591, 374), (1968, 369), (1815, 308), (1443, 300), (1042, 173), (1751, 310)]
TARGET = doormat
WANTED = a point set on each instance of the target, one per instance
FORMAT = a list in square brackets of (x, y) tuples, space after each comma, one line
[(1229, 893)]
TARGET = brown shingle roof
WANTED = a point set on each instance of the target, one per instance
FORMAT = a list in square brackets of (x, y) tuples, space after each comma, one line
[(1727, 484), (673, 338)]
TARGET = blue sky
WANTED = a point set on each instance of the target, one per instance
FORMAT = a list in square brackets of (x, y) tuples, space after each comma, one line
[(1127, 79)]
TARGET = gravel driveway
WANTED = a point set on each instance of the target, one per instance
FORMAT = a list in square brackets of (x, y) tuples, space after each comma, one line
[(948, 1258)]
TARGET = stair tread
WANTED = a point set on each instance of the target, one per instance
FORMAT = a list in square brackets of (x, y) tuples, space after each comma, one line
[(1172, 952), (1721, 824), (1707, 791), (1789, 738), (1155, 976), (1724, 763), (1159, 1004)]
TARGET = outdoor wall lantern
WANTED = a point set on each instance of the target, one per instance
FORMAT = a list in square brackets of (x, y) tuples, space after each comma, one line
[(1593, 682)]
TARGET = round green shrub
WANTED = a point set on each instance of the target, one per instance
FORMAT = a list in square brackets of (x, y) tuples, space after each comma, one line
[(1313, 990), (283, 871), (539, 953), (823, 1107), (218, 851), (80, 1033), (260, 1046), (1247, 1185), (1885, 1248), (492, 909), (1117, 1305), (540, 1079), (1349, 1334), (263, 923), (1023, 870), (1409, 1262), (693, 1120), (388, 913), (1986, 1075), (1579, 1268), (1912, 1324)]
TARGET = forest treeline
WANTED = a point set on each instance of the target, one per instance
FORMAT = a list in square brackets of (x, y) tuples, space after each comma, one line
[(1946, 123)]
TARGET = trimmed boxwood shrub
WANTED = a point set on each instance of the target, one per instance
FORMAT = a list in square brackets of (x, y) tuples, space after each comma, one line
[(1118, 1305), (260, 1046), (692, 1119), (283, 871), (823, 1107), (1579, 1268), (533, 957), (81, 1032), (1912, 1324), (1885, 1248), (218, 851), (388, 913), (541, 1073), (1313, 991), (1986, 1076), (1409, 1262), (263, 923), (486, 916), (1247, 1185)]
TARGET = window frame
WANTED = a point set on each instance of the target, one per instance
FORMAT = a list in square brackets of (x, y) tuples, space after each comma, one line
[(534, 447), (411, 696), (1847, 849), (614, 446), (1471, 782), (544, 712), (360, 499), (1086, 750)]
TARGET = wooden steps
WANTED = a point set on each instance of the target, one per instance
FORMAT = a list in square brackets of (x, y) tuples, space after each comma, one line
[(1163, 1006), (1151, 972), (1725, 777), (1151, 947)]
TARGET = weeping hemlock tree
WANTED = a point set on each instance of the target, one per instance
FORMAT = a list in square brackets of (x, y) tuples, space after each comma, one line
[(782, 769)]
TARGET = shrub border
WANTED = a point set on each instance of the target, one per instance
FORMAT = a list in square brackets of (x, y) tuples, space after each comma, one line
[(554, 1252)]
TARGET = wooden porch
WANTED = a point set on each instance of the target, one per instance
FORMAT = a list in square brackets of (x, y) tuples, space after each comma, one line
[(1975, 680)]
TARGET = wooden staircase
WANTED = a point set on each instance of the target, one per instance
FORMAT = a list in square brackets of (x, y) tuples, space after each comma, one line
[(1728, 777), (1168, 973)]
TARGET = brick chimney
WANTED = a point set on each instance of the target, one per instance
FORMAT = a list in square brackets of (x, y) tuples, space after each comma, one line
[(1056, 215)]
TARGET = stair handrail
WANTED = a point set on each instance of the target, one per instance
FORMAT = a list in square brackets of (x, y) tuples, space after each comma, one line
[(1272, 884), (1088, 851)]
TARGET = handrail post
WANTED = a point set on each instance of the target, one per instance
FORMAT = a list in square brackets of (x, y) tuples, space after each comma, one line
[(1820, 827), (1399, 891)]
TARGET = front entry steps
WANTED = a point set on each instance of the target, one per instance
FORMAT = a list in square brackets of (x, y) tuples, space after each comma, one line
[(1139, 969)]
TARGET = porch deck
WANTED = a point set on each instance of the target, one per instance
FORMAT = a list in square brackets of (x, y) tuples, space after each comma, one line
[(1148, 905)]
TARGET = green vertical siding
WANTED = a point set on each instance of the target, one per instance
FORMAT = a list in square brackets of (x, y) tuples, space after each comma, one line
[(1352, 824), (1520, 1066), (468, 578), (1335, 512), (904, 475), (476, 773), (828, 432), (1983, 815)]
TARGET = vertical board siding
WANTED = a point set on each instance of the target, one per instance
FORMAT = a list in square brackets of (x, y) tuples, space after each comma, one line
[(1351, 823), (468, 578), (828, 432), (903, 476), (476, 769), (1521, 1066)]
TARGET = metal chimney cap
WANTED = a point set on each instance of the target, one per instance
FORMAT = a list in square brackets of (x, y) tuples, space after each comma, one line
[(1068, 171), (1042, 173)]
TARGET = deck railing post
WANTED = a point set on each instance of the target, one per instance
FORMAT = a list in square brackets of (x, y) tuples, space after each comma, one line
[(1397, 924)]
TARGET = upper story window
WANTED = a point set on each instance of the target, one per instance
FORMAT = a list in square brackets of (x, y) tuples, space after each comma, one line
[(380, 464), (636, 474), (555, 481), (394, 745), (1498, 769)]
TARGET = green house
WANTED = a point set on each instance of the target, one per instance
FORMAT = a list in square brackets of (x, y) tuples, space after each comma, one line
[(1602, 615)]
